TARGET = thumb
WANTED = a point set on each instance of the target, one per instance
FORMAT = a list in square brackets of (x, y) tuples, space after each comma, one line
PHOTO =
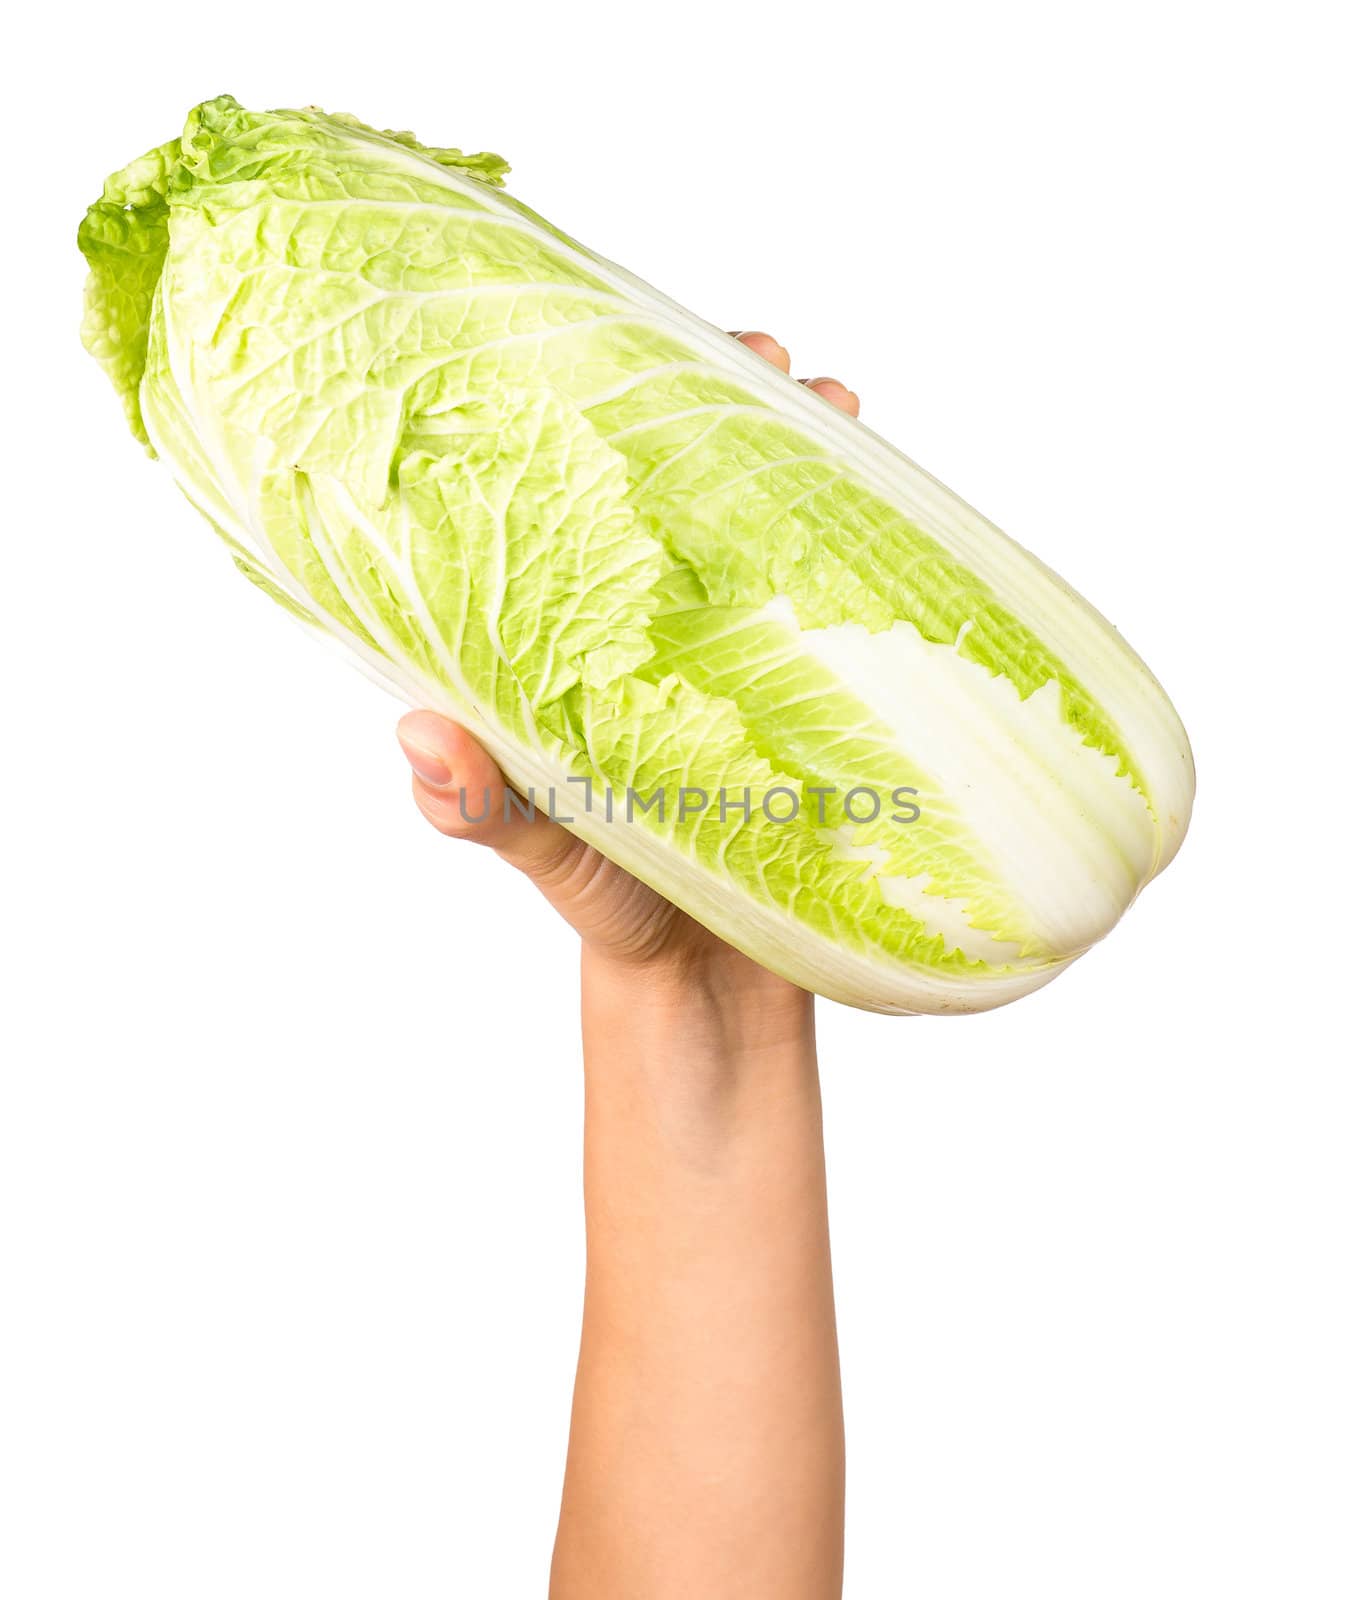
[(461, 791)]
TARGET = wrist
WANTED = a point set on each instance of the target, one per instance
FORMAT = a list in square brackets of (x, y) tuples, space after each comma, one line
[(711, 1045), (712, 986)]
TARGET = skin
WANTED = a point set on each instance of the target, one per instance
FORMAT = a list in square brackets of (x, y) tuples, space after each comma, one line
[(706, 1452)]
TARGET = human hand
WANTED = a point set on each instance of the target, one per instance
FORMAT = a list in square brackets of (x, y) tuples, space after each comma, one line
[(621, 921)]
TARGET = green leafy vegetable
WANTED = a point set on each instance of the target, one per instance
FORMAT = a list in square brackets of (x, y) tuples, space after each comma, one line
[(529, 491)]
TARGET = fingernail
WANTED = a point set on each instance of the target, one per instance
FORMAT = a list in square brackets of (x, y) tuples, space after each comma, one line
[(428, 764), (813, 383)]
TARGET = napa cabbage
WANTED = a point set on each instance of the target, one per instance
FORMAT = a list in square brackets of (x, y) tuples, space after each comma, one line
[(523, 488)]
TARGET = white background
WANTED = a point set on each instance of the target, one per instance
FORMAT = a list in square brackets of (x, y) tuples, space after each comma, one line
[(289, 1138)]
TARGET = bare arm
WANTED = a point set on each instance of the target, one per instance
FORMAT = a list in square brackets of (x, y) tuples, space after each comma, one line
[(706, 1452), (706, 1449)]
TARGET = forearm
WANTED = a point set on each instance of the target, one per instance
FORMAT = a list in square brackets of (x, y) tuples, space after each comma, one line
[(706, 1454)]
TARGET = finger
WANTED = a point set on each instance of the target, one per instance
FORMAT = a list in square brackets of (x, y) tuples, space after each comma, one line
[(767, 348), (835, 393), (461, 791)]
